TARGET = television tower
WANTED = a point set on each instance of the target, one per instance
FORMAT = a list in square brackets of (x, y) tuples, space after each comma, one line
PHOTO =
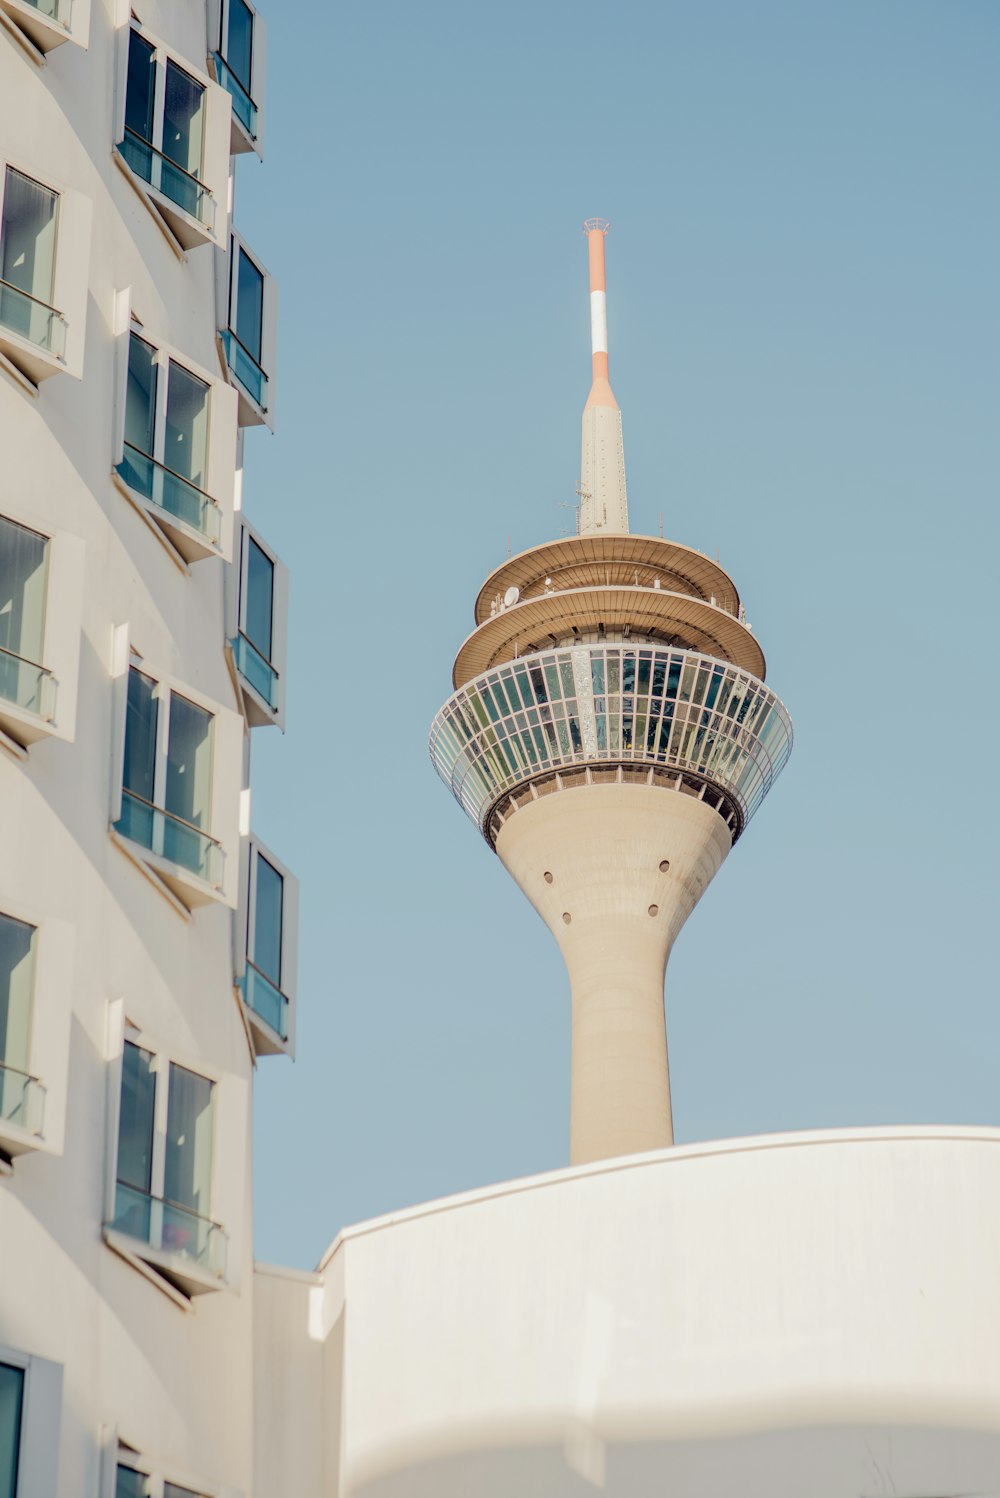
[(611, 736)]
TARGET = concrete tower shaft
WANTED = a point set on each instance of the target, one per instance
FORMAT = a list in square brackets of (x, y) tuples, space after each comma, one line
[(603, 499), (611, 736)]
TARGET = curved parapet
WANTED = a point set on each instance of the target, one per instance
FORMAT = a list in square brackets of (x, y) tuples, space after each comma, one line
[(668, 713)]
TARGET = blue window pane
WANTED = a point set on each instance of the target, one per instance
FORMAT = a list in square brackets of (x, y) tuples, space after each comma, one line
[(239, 42), (140, 735), (259, 604), (139, 92), (266, 953), (135, 1125), (249, 305), (140, 395), (11, 1398)]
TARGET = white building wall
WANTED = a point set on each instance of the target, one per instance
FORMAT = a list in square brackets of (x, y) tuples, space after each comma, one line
[(803, 1313), (171, 1377)]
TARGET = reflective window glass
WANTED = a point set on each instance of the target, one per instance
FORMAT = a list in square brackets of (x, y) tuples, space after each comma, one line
[(185, 444), (249, 304), (239, 41), (28, 236), (140, 736), (22, 592), (140, 395), (189, 762), (258, 605), (183, 119), (135, 1125), (140, 90), (17, 990), (11, 1400), (188, 1166), (131, 1484), (270, 888)]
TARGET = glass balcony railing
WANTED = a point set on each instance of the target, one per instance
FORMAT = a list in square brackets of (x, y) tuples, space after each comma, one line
[(22, 1099), (169, 178), (174, 495), (170, 1228), (27, 685), (244, 108), (245, 367), (32, 320), (256, 670), (53, 10), (265, 998), (170, 837)]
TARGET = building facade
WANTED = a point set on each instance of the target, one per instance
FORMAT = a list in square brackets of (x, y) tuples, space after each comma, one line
[(147, 938)]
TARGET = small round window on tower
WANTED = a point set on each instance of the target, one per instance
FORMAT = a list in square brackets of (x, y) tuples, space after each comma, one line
[(547, 877), (567, 917), (664, 865), (653, 910)]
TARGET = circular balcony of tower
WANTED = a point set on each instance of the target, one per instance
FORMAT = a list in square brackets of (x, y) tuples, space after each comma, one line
[(586, 589), (591, 714)]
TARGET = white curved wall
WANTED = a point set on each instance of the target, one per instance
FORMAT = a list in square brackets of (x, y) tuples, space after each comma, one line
[(803, 1313)]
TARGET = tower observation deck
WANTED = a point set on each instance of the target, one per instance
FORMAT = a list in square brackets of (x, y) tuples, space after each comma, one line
[(611, 736)]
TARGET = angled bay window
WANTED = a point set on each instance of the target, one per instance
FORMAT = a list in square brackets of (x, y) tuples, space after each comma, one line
[(30, 1408), (49, 23), (163, 1194), (249, 336), (177, 785), (240, 41), (257, 606), (177, 449), (174, 138), (266, 966), (35, 967), (41, 578), (44, 239)]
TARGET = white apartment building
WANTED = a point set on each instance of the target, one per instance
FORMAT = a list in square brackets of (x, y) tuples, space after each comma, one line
[(147, 938)]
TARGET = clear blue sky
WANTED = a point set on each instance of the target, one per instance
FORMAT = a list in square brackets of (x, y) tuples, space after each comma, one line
[(804, 310)]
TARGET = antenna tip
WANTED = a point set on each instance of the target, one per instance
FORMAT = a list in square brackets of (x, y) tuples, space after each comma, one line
[(598, 225)]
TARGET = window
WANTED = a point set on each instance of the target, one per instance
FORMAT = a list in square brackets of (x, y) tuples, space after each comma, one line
[(24, 681), (249, 337), (49, 23), (167, 780), (163, 1183), (11, 1401), (239, 67), (130, 1482), (44, 267), (177, 448), (257, 619), (177, 781), (172, 130), (165, 456), (267, 983), (22, 1097)]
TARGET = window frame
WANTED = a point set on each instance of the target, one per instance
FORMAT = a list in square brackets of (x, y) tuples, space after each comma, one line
[(71, 264), (184, 886), (266, 1040), (48, 1047), (186, 229), (157, 1474), (20, 727), (258, 712), (251, 412), (168, 1269), (242, 139), (186, 542), (44, 33), (41, 1419)]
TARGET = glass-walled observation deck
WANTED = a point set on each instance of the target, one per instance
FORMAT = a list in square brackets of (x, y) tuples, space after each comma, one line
[(613, 704)]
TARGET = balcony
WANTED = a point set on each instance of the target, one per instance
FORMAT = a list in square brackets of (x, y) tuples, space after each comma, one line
[(27, 686), (171, 838), (49, 23), (244, 367), (244, 109), (34, 321), (191, 517), (265, 999), (186, 1248), (22, 1110), (166, 177), (255, 670)]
